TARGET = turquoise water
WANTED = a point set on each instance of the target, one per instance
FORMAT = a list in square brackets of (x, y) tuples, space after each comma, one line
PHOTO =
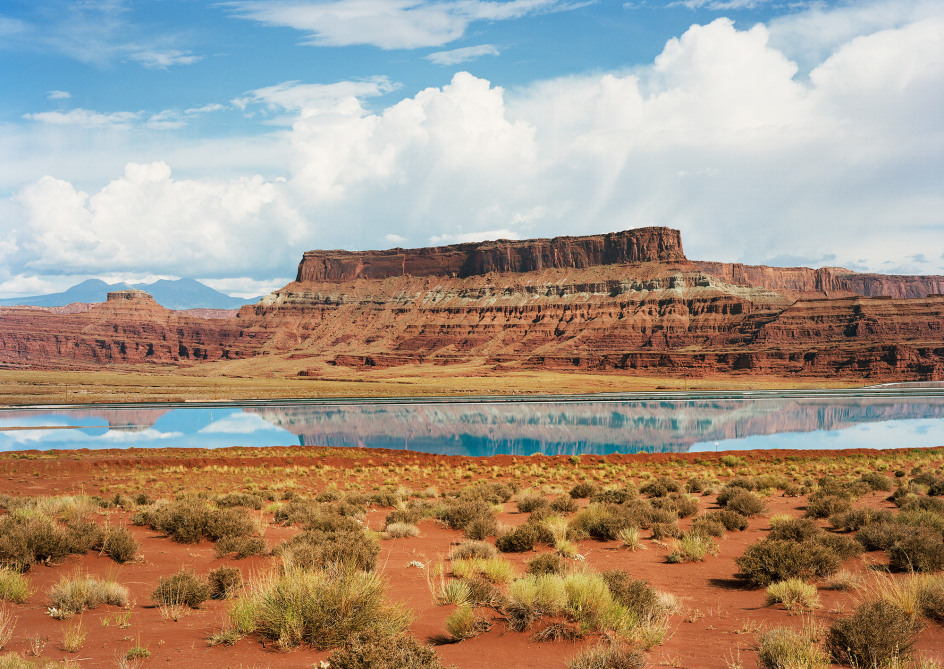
[(670, 422)]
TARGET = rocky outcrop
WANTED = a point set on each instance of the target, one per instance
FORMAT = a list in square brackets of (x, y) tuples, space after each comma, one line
[(626, 301), (502, 256), (826, 281)]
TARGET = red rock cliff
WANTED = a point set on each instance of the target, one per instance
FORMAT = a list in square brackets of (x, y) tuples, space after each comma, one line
[(502, 256)]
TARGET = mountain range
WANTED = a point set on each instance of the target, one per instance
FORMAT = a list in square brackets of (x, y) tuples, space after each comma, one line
[(171, 294)]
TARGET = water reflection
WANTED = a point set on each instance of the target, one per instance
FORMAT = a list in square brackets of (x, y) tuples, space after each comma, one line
[(489, 428)]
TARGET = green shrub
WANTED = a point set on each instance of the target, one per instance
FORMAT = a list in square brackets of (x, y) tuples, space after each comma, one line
[(794, 593), (14, 587), (827, 505), (921, 550), (466, 622), (247, 500), (458, 514), (117, 543), (241, 546), (224, 581), (732, 520), (583, 490), (707, 528), (855, 519), (564, 504), (25, 541), (877, 481), (366, 651), (78, 593), (317, 549), (795, 529), (324, 608), (546, 563), (876, 634), (483, 592), (518, 540), (746, 503), (881, 535), (184, 587), (530, 502), (614, 495), (635, 594), (770, 560), (692, 547), (472, 549), (480, 528), (662, 531)]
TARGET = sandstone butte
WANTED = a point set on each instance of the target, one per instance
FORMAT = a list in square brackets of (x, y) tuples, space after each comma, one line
[(620, 302)]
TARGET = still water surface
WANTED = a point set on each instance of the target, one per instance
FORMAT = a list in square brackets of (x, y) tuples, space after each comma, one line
[(671, 422)]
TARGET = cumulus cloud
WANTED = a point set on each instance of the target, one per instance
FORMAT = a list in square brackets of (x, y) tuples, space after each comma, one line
[(720, 136), (463, 55), (388, 24)]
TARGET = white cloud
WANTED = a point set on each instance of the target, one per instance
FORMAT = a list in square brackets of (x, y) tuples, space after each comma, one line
[(26, 285), (161, 60), (463, 55), (388, 24), (85, 118), (394, 239), (466, 237), (58, 95), (719, 136), (246, 287)]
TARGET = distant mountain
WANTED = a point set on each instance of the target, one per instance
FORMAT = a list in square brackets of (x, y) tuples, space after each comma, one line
[(179, 294)]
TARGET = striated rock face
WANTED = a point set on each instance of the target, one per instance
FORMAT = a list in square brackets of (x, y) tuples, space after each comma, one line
[(827, 281), (627, 301), (502, 256)]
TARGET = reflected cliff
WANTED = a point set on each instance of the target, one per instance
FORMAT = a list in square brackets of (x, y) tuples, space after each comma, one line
[(483, 428)]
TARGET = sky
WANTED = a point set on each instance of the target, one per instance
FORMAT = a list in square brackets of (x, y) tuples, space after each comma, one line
[(145, 139)]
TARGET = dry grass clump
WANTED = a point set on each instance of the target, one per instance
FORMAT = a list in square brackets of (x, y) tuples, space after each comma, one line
[(607, 655), (324, 608), (788, 648), (117, 543), (466, 622), (366, 651), (224, 581), (78, 593), (546, 563), (794, 593), (190, 520), (878, 633), (14, 586), (472, 549), (400, 531), (7, 624), (635, 594), (692, 547), (183, 588), (316, 549)]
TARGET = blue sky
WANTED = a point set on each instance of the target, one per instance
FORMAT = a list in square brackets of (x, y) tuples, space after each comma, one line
[(220, 140)]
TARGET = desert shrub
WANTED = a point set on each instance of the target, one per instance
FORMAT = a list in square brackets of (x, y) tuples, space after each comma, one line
[(184, 587), (770, 560), (932, 504), (466, 622), (604, 522), (881, 535), (878, 481), (458, 514), (78, 593), (324, 608), (247, 500), (794, 593), (564, 504), (732, 520), (827, 505), (685, 505), (615, 495), (234, 522), (483, 592), (366, 651), (692, 547), (936, 489), (746, 503), (14, 587), (401, 530), (795, 529), (26, 540), (480, 528), (83, 535), (329, 494), (921, 518), (635, 594), (697, 484), (609, 656), (788, 648), (546, 563), (660, 487), (921, 550), (472, 549), (792, 490), (241, 546), (925, 479), (855, 519), (528, 502), (877, 633), (518, 540), (492, 493), (707, 528), (843, 546), (662, 531), (583, 490), (117, 543), (317, 549), (224, 581)]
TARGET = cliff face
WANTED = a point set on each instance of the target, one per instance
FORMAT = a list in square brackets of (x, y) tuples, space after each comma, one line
[(502, 256), (625, 301)]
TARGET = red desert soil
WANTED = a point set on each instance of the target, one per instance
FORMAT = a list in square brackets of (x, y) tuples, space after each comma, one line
[(717, 623)]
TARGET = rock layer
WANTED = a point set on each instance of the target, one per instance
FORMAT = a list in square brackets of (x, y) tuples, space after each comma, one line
[(626, 301)]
